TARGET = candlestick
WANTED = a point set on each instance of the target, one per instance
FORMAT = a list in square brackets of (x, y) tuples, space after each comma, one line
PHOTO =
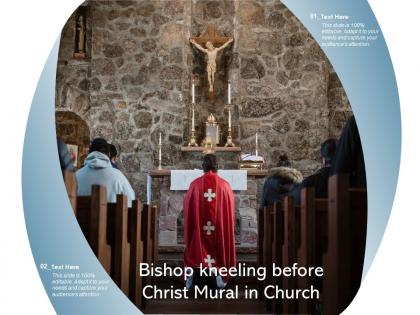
[(230, 120), (229, 142), (256, 144), (193, 93), (193, 119), (193, 141), (229, 94)]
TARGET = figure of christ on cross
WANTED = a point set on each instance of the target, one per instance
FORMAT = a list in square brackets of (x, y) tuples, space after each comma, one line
[(209, 217), (210, 40)]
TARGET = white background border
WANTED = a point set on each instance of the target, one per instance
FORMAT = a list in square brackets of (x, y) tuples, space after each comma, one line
[(28, 32)]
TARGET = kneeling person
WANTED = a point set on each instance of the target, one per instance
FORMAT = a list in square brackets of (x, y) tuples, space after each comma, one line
[(209, 218)]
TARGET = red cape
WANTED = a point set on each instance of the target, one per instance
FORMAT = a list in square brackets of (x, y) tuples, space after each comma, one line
[(209, 218)]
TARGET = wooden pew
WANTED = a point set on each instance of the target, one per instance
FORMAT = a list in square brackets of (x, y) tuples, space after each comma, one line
[(154, 233), (260, 247), (347, 223), (312, 241), (117, 238), (277, 254), (70, 182), (115, 234), (92, 215), (284, 251), (149, 234), (136, 253), (289, 250), (316, 234), (268, 247)]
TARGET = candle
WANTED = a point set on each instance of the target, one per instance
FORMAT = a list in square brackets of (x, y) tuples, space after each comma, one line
[(229, 94), (193, 119), (230, 120), (256, 144), (193, 92), (160, 148)]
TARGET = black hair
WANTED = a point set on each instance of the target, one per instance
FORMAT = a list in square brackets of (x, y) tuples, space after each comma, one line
[(328, 149), (100, 145), (210, 163), (283, 161), (112, 151)]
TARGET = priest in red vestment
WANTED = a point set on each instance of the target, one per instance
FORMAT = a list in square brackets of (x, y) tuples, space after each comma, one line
[(209, 218)]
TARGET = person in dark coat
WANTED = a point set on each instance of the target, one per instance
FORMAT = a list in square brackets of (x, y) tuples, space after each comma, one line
[(113, 156), (349, 157), (319, 180), (66, 163), (280, 182)]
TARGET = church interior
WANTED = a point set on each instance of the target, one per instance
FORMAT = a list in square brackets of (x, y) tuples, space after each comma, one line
[(128, 72)]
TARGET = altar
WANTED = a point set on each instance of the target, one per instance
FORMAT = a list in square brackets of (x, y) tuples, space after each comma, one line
[(170, 201), (212, 129)]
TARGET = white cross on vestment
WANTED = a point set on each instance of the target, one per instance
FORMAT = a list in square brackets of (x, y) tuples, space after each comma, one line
[(209, 227), (209, 195), (209, 261)]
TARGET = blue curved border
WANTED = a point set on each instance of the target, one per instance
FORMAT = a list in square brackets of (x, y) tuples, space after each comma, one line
[(54, 234), (368, 77)]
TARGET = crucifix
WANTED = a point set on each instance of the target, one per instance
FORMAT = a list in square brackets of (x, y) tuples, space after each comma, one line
[(210, 44)]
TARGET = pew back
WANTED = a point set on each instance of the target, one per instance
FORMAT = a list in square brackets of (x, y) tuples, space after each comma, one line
[(320, 232), (119, 236)]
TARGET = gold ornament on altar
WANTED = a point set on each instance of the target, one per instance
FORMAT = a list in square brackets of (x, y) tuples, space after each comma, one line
[(209, 146), (212, 131)]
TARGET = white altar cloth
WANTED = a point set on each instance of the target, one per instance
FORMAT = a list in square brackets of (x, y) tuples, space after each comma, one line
[(181, 179)]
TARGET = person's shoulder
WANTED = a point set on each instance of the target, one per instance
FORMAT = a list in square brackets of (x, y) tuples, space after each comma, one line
[(81, 171), (196, 181), (223, 182), (117, 173), (309, 181), (194, 184)]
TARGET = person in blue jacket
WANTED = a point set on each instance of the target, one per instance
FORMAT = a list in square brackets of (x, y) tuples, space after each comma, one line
[(98, 170)]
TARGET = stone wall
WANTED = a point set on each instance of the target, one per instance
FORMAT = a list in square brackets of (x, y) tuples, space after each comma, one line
[(136, 82)]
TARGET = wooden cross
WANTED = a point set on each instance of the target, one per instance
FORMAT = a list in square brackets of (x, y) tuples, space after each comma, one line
[(212, 36)]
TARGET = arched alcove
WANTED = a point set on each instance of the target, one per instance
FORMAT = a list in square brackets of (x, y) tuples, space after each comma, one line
[(73, 130)]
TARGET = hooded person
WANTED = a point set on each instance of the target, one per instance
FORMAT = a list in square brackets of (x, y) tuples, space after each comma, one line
[(349, 156), (113, 155), (98, 170), (209, 226), (319, 180), (280, 182)]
